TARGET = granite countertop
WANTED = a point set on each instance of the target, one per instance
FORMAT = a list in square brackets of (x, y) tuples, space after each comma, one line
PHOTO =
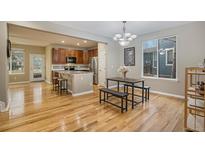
[(74, 72)]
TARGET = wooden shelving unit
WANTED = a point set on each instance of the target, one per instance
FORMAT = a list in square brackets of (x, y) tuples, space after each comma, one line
[(194, 110)]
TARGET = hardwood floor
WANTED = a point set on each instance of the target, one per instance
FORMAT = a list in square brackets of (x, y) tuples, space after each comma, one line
[(35, 107)]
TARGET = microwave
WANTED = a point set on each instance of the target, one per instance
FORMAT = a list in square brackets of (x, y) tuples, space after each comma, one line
[(71, 60)]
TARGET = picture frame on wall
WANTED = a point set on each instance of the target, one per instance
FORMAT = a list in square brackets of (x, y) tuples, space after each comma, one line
[(129, 56)]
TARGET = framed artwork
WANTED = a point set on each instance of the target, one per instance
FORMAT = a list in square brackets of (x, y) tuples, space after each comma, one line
[(129, 56)]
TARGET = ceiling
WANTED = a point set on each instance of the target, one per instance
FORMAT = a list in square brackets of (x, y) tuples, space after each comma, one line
[(109, 28), (22, 35)]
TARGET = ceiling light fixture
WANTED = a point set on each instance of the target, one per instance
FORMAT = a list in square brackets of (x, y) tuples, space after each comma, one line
[(62, 41), (78, 44), (124, 39), (85, 41)]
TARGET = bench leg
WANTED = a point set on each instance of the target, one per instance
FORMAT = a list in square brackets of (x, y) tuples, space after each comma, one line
[(122, 105), (118, 86), (142, 91), (126, 103), (53, 84), (148, 94), (132, 97), (105, 96), (100, 96)]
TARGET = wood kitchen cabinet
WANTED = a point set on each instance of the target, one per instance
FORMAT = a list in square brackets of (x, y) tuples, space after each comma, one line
[(85, 57), (59, 56), (62, 56), (55, 56), (72, 53), (88, 54), (79, 56), (93, 53)]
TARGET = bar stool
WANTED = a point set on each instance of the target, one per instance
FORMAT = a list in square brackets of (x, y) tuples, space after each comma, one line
[(55, 83), (62, 85)]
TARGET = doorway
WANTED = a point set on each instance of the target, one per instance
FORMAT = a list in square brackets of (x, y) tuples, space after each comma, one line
[(37, 67)]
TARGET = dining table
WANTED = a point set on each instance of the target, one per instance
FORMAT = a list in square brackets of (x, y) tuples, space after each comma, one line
[(130, 81)]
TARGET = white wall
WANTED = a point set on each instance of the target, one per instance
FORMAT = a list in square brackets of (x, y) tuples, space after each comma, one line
[(3, 66), (190, 52), (48, 53), (113, 58)]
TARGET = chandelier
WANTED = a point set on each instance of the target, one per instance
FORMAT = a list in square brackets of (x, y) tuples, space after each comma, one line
[(125, 38)]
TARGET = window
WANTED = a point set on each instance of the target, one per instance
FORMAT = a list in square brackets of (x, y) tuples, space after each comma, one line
[(16, 61), (159, 58), (169, 56), (150, 58), (155, 60)]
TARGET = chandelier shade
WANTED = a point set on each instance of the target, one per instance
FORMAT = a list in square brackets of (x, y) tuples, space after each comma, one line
[(125, 38)]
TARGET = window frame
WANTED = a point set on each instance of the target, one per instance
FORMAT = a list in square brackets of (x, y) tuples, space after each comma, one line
[(142, 64), (10, 61), (166, 56), (154, 60)]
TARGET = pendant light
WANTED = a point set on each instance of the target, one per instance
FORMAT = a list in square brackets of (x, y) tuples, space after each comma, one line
[(124, 39)]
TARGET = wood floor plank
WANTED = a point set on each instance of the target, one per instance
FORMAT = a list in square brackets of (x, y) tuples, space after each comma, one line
[(35, 107)]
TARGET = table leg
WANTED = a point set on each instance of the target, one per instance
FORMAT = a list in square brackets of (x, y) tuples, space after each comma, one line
[(132, 96), (126, 103), (107, 84), (118, 86), (142, 91), (148, 94), (122, 106), (100, 96)]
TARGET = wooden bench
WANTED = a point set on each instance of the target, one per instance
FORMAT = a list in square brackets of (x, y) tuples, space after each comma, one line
[(121, 95), (146, 90)]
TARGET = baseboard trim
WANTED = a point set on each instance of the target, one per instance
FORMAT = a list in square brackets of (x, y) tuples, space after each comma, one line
[(49, 82), (22, 82), (167, 94), (83, 93)]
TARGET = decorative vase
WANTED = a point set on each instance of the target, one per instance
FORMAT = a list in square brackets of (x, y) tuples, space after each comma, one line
[(124, 74)]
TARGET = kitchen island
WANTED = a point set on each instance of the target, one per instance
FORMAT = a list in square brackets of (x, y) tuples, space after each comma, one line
[(79, 82)]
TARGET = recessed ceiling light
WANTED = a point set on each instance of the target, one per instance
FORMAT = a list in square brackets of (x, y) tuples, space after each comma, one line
[(85, 41), (78, 44), (62, 41)]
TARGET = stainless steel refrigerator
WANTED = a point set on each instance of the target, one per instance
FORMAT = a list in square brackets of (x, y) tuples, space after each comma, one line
[(93, 63)]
